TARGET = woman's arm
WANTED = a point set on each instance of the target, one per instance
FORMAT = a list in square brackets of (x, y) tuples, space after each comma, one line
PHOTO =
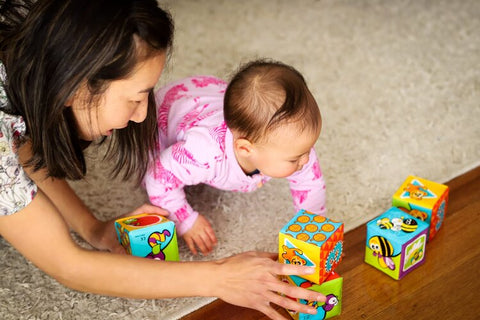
[(39, 232), (100, 234), (41, 235)]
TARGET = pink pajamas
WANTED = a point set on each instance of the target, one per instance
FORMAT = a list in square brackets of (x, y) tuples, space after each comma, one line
[(197, 147)]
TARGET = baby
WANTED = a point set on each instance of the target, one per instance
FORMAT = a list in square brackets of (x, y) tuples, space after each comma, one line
[(235, 136)]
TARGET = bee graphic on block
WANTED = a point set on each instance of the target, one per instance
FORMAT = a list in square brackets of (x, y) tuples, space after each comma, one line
[(407, 225), (384, 223), (383, 250)]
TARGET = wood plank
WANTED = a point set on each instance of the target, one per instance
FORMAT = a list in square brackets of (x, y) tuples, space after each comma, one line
[(445, 286)]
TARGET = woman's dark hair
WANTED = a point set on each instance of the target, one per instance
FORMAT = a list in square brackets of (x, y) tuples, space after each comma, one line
[(264, 94), (50, 47)]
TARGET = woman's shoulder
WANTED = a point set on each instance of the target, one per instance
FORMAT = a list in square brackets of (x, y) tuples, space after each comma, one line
[(12, 127), (3, 93), (16, 188)]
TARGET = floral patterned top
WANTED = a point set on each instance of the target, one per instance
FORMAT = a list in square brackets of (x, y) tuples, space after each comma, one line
[(16, 189)]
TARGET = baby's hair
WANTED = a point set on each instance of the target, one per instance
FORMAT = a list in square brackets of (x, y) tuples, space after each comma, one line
[(50, 47), (265, 94)]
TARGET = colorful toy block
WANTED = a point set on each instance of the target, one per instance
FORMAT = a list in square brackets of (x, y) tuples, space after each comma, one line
[(396, 242), (423, 199), (331, 288), (312, 240), (148, 235)]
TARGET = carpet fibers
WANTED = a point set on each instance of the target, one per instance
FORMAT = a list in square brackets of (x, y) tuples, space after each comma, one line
[(398, 85)]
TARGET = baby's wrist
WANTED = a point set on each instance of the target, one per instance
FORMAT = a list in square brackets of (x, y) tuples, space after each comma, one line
[(187, 224)]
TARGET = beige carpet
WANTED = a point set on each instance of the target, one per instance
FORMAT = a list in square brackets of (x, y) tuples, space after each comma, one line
[(398, 83)]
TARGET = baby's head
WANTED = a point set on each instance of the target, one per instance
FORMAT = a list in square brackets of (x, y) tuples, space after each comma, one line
[(273, 116)]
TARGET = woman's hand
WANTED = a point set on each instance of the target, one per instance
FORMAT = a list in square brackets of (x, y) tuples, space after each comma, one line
[(251, 280), (201, 235), (104, 236)]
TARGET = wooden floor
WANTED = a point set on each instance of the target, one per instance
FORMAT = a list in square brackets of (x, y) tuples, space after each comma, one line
[(446, 286)]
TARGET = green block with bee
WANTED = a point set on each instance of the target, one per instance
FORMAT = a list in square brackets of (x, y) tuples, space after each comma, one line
[(396, 242)]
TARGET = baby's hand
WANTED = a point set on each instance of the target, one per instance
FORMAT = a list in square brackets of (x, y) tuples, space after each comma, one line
[(201, 235)]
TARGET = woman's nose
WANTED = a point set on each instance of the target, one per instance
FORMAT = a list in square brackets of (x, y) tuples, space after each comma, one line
[(140, 112)]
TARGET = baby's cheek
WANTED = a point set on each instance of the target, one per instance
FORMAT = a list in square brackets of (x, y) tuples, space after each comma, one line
[(290, 170)]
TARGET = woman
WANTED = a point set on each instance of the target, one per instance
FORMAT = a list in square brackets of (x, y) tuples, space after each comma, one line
[(77, 71)]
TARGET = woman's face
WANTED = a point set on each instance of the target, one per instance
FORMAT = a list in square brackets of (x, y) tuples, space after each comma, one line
[(124, 101)]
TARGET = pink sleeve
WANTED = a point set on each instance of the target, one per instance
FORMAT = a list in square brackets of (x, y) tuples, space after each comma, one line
[(177, 167), (166, 190), (308, 187)]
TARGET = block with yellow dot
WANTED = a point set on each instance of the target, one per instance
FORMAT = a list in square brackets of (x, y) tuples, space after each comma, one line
[(423, 199), (312, 240)]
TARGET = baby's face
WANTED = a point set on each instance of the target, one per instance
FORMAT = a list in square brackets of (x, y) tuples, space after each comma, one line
[(286, 151)]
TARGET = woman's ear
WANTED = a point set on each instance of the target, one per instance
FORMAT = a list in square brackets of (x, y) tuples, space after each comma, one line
[(69, 101), (81, 92)]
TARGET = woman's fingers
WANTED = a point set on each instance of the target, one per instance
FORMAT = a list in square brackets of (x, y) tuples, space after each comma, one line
[(291, 269), (291, 304), (253, 279), (291, 292)]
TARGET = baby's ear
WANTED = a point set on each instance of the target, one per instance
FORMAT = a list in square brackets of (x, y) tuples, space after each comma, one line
[(242, 146)]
